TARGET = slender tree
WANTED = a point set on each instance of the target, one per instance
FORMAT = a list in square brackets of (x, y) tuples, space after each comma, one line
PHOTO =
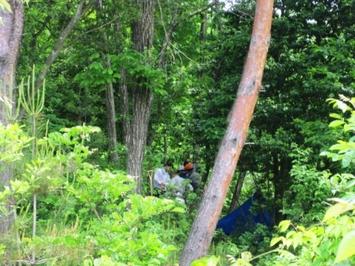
[(240, 117), (80, 10), (109, 91), (111, 117), (11, 25)]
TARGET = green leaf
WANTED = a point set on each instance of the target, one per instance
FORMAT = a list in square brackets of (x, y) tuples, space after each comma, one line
[(336, 123), (275, 240), (246, 256), (346, 247), (284, 225), (206, 261), (336, 116), (337, 209)]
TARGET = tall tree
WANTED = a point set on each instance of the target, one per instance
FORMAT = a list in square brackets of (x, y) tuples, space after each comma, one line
[(11, 25), (141, 96), (240, 117)]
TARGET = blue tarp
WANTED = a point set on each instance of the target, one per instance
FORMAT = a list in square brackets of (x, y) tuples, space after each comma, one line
[(242, 219)]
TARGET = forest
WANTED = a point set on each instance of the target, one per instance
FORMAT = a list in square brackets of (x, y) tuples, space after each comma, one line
[(177, 132)]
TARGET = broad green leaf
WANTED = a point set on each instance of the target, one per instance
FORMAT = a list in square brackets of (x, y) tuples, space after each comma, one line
[(336, 123), (336, 116), (284, 225), (346, 247), (275, 240), (338, 209)]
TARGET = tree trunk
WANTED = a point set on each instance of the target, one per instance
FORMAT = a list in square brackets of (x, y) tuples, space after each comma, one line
[(241, 114), (60, 43), (142, 101), (124, 105), (11, 26), (143, 30), (237, 190), (110, 111), (111, 120)]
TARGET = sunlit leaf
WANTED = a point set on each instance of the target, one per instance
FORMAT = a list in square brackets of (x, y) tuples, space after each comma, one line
[(338, 209), (284, 225), (346, 247)]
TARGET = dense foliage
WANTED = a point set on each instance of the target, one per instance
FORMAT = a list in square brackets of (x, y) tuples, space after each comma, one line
[(69, 195)]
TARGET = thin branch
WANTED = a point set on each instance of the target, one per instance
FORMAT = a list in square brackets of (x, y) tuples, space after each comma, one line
[(175, 22), (102, 26), (60, 42)]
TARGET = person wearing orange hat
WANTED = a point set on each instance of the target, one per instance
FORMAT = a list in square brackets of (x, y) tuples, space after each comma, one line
[(191, 173), (188, 166)]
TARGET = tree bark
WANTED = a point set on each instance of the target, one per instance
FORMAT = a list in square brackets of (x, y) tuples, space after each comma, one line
[(142, 101), (241, 114), (237, 190), (10, 38), (124, 105), (11, 26), (143, 31), (60, 43)]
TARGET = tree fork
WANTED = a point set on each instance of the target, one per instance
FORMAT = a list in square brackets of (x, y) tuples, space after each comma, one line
[(233, 141)]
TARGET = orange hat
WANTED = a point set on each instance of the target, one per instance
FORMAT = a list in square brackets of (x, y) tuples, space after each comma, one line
[(189, 166)]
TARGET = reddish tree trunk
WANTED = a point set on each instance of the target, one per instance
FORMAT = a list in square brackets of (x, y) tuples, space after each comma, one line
[(241, 114)]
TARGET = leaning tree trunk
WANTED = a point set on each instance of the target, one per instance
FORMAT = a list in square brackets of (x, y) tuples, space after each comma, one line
[(141, 96), (11, 25), (241, 114), (60, 43)]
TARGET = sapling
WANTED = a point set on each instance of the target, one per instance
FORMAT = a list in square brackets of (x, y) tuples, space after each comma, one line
[(32, 101)]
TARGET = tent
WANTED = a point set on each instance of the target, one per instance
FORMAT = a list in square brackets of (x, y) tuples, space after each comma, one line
[(242, 218)]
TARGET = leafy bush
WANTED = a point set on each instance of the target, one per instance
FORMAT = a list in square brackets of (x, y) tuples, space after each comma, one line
[(81, 213), (332, 240), (304, 201), (328, 236)]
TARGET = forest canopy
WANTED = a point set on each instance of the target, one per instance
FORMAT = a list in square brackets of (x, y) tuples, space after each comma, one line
[(113, 114)]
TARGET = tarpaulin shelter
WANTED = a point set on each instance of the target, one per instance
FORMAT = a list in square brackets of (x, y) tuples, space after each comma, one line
[(242, 218)]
